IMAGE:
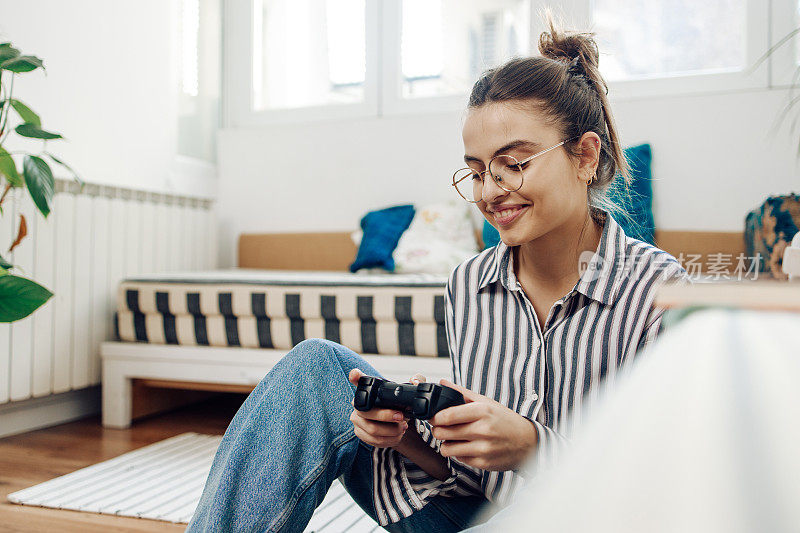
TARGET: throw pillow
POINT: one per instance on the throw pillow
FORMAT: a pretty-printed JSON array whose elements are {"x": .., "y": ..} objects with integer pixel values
[
  {"x": 381, "y": 232},
  {"x": 638, "y": 221},
  {"x": 490, "y": 235},
  {"x": 440, "y": 237}
]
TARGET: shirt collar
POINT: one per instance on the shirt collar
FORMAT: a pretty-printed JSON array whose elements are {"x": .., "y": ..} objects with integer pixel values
[{"x": 602, "y": 272}]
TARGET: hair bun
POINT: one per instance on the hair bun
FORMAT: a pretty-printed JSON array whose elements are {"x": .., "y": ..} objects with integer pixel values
[{"x": 578, "y": 49}]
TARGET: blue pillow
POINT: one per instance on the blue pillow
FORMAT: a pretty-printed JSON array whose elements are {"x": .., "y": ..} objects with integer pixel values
[
  {"x": 382, "y": 230},
  {"x": 638, "y": 204},
  {"x": 490, "y": 235}
]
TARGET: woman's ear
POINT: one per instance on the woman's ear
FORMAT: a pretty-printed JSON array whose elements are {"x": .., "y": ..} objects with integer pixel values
[{"x": 589, "y": 147}]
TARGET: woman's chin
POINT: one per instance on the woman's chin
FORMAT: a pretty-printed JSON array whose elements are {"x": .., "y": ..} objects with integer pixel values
[{"x": 516, "y": 236}]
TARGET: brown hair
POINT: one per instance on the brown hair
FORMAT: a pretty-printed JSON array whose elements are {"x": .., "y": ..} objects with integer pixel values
[{"x": 566, "y": 85}]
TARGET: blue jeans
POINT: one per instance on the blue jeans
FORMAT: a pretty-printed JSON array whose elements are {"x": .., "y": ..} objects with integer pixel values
[{"x": 290, "y": 440}]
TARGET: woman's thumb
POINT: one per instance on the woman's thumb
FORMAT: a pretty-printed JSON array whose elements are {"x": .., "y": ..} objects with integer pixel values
[
  {"x": 469, "y": 396},
  {"x": 354, "y": 375}
]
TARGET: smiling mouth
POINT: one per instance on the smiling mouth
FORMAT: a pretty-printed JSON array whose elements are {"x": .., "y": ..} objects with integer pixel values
[{"x": 507, "y": 215}]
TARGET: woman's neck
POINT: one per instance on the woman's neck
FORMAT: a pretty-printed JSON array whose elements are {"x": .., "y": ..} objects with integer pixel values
[{"x": 552, "y": 259}]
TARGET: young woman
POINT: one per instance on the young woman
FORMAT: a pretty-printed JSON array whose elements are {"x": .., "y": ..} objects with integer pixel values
[{"x": 532, "y": 332}]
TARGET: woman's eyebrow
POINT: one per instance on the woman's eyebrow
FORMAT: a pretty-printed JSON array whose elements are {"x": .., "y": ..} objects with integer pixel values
[{"x": 532, "y": 145}]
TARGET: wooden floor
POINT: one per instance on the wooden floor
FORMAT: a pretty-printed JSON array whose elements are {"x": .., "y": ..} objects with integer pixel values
[{"x": 37, "y": 456}]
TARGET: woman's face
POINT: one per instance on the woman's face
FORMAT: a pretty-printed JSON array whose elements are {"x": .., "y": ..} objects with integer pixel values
[{"x": 553, "y": 190}]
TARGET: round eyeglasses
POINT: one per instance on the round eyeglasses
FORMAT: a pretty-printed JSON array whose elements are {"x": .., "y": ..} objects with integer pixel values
[{"x": 505, "y": 170}]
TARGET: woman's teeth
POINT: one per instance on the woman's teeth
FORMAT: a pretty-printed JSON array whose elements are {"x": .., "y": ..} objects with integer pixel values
[
  {"x": 506, "y": 216},
  {"x": 505, "y": 212}
]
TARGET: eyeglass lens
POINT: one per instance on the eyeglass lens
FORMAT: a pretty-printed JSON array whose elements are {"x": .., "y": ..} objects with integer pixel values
[{"x": 505, "y": 170}]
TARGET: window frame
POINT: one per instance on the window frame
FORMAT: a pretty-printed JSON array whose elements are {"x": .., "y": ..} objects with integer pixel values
[
  {"x": 785, "y": 60},
  {"x": 383, "y": 80}
]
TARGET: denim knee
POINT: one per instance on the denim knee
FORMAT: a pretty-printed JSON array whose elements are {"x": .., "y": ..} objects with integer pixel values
[{"x": 310, "y": 352}]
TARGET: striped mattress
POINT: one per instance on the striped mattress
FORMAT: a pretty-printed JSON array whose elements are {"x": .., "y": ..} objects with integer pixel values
[{"x": 393, "y": 314}]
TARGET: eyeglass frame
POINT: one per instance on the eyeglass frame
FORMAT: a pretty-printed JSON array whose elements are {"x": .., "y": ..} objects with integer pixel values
[{"x": 519, "y": 164}]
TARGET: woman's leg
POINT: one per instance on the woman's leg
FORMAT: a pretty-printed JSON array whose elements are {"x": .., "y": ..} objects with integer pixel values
[
  {"x": 290, "y": 439},
  {"x": 445, "y": 515}
]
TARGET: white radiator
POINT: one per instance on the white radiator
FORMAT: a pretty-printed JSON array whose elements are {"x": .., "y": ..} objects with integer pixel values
[{"x": 92, "y": 239}]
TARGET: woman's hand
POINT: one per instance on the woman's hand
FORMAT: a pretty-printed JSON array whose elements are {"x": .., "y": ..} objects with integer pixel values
[
  {"x": 381, "y": 428},
  {"x": 483, "y": 433}
]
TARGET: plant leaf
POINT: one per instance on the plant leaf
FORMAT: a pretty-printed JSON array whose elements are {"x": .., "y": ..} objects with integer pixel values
[
  {"x": 7, "y": 52},
  {"x": 69, "y": 168},
  {"x": 21, "y": 233},
  {"x": 22, "y": 64},
  {"x": 8, "y": 168},
  {"x": 40, "y": 182},
  {"x": 5, "y": 264},
  {"x": 25, "y": 113},
  {"x": 19, "y": 297},
  {"x": 35, "y": 132}
]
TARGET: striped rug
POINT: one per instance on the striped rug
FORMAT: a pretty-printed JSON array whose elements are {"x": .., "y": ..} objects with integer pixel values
[{"x": 164, "y": 481}]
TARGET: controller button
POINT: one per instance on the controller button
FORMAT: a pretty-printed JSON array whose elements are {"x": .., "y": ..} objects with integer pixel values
[
  {"x": 361, "y": 398},
  {"x": 425, "y": 387},
  {"x": 420, "y": 406}
]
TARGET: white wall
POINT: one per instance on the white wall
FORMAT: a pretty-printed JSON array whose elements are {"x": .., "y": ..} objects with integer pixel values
[
  {"x": 109, "y": 89},
  {"x": 713, "y": 160}
]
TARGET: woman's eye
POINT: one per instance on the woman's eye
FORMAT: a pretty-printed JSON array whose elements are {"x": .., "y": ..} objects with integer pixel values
[{"x": 477, "y": 176}]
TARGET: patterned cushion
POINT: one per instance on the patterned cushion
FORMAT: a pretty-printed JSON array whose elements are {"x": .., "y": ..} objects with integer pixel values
[
  {"x": 394, "y": 314},
  {"x": 769, "y": 229}
]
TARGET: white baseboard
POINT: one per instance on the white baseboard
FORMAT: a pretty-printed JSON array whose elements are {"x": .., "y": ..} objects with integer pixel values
[{"x": 37, "y": 413}]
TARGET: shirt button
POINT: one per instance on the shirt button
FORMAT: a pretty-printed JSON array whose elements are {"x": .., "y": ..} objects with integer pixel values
[{"x": 535, "y": 396}]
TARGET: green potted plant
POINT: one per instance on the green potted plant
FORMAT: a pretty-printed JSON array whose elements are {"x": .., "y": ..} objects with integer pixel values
[{"x": 19, "y": 295}]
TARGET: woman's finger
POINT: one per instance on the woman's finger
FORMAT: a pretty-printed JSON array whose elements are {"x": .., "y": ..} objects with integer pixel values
[
  {"x": 393, "y": 438},
  {"x": 459, "y": 414},
  {"x": 469, "y": 396},
  {"x": 380, "y": 429},
  {"x": 382, "y": 415},
  {"x": 416, "y": 379},
  {"x": 354, "y": 376},
  {"x": 378, "y": 442},
  {"x": 460, "y": 449},
  {"x": 456, "y": 432}
]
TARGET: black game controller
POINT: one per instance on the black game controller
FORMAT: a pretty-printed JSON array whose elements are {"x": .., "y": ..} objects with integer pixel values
[{"x": 417, "y": 401}]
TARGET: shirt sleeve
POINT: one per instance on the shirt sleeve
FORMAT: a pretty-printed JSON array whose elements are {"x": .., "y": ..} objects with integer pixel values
[
  {"x": 424, "y": 486},
  {"x": 463, "y": 479},
  {"x": 653, "y": 324}
]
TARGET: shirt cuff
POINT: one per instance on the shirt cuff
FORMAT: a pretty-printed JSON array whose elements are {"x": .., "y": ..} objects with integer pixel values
[
  {"x": 421, "y": 485},
  {"x": 549, "y": 447}
]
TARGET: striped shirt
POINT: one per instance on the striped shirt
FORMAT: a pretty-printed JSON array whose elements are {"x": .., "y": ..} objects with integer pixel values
[{"x": 549, "y": 375}]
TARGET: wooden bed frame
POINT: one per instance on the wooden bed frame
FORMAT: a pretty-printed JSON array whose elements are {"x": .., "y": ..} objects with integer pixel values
[{"x": 141, "y": 379}]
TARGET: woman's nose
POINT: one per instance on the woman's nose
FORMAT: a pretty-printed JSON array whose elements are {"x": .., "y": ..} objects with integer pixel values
[{"x": 491, "y": 190}]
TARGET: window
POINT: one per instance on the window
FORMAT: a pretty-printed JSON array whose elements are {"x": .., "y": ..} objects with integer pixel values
[
  {"x": 294, "y": 60},
  {"x": 645, "y": 39},
  {"x": 473, "y": 36},
  {"x": 290, "y": 60},
  {"x": 308, "y": 53},
  {"x": 652, "y": 48}
]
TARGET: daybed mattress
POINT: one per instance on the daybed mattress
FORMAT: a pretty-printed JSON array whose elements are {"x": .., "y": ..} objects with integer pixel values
[{"x": 369, "y": 313}]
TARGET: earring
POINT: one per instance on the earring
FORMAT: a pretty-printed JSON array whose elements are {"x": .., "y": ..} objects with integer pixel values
[{"x": 591, "y": 180}]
